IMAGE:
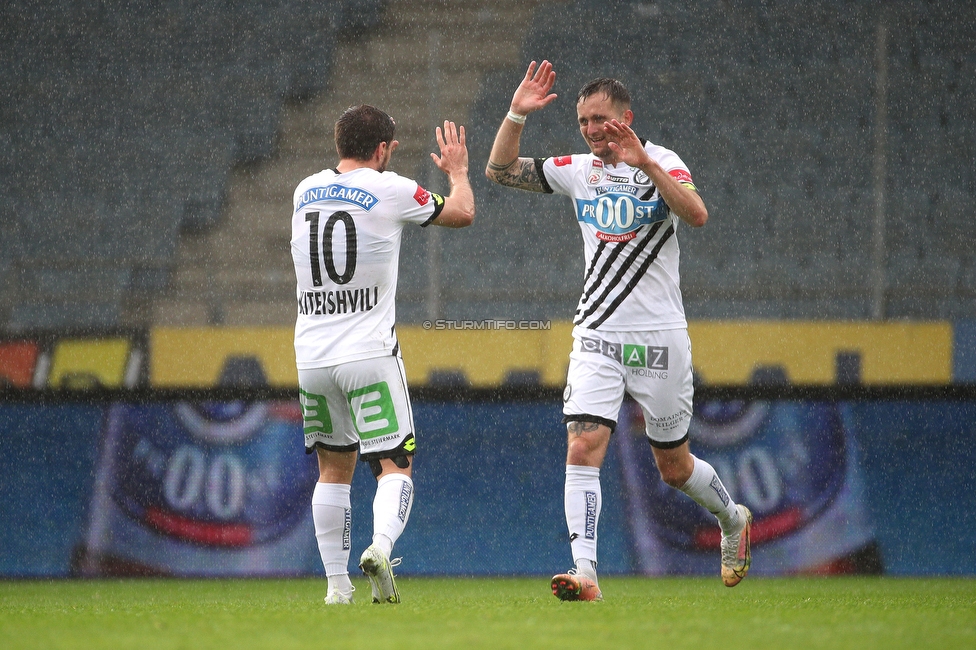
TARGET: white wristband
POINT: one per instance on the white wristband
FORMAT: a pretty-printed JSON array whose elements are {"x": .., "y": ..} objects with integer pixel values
[{"x": 515, "y": 117}]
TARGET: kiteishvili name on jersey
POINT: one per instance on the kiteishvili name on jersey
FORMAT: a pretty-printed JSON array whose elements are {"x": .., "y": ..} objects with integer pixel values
[{"x": 345, "y": 301}]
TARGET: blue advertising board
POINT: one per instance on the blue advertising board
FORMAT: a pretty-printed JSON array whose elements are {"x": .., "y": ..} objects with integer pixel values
[{"x": 205, "y": 488}]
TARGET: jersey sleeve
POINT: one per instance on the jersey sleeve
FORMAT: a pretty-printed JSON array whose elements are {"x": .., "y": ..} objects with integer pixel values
[
  {"x": 683, "y": 176},
  {"x": 556, "y": 173},
  {"x": 417, "y": 205},
  {"x": 674, "y": 166}
]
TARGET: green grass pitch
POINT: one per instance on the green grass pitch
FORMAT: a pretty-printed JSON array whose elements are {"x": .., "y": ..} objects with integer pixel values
[{"x": 671, "y": 613}]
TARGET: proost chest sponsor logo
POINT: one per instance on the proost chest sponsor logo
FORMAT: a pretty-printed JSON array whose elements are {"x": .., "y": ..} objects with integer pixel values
[{"x": 617, "y": 214}]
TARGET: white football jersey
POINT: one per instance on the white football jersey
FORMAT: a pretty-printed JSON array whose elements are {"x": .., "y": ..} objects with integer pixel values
[
  {"x": 631, "y": 278},
  {"x": 346, "y": 232}
]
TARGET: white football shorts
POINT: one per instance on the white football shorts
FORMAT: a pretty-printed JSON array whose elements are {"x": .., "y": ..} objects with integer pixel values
[
  {"x": 360, "y": 405},
  {"x": 653, "y": 367}
]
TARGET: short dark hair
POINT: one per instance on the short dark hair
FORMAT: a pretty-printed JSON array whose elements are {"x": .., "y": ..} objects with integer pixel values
[
  {"x": 612, "y": 88},
  {"x": 360, "y": 129}
]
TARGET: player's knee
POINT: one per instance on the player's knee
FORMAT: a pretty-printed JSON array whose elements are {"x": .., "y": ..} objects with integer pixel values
[
  {"x": 576, "y": 447},
  {"x": 583, "y": 450}
]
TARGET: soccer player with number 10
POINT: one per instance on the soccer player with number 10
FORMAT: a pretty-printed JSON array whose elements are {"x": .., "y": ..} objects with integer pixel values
[{"x": 346, "y": 230}]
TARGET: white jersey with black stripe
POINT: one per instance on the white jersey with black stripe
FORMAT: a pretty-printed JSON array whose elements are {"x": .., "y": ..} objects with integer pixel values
[
  {"x": 631, "y": 280},
  {"x": 346, "y": 233}
]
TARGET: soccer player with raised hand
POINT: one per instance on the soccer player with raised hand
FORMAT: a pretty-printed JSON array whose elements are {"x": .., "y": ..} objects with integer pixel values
[
  {"x": 630, "y": 332},
  {"x": 347, "y": 226}
]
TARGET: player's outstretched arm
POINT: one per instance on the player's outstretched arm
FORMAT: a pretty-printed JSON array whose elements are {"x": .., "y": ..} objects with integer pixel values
[
  {"x": 505, "y": 167},
  {"x": 520, "y": 174},
  {"x": 458, "y": 210}
]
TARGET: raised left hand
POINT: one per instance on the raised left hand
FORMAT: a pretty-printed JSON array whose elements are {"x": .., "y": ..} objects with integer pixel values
[{"x": 624, "y": 142}]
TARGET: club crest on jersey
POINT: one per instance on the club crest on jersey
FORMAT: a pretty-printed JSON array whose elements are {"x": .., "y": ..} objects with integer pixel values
[
  {"x": 596, "y": 173},
  {"x": 641, "y": 178}
]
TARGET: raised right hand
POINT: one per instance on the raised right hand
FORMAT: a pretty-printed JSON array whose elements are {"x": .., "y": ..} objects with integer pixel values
[
  {"x": 533, "y": 93},
  {"x": 454, "y": 151}
]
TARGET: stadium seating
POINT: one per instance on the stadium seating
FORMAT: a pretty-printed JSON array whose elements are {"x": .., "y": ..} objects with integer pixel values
[
  {"x": 124, "y": 122},
  {"x": 772, "y": 106},
  {"x": 123, "y": 125}
]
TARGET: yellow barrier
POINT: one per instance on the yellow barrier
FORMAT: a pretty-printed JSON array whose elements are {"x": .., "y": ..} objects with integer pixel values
[
  {"x": 87, "y": 363},
  {"x": 195, "y": 356},
  {"x": 724, "y": 352},
  {"x": 487, "y": 356}
]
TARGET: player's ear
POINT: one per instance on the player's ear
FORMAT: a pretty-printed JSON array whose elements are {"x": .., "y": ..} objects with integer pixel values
[{"x": 628, "y": 117}]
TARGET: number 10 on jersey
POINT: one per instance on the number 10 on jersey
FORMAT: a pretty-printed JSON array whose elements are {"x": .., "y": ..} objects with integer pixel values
[{"x": 324, "y": 253}]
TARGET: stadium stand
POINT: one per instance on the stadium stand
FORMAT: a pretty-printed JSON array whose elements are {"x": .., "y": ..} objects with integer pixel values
[
  {"x": 420, "y": 75},
  {"x": 121, "y": 138},
  {"x": 124, "y": 122},
  {"x": 772, "y": 106}
]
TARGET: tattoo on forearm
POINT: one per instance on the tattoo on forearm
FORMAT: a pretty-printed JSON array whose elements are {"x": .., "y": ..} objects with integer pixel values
[
  {"x": 578, "y": 428},
  {"x": 520, "y": 174},
  {"x": 495, "y": 167}
]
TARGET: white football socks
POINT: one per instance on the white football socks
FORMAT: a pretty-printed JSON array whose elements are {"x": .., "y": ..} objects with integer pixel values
[
  {"x": 332, "y": 517},
  {"x": 391, "y": 510},
  {"x": 706, "y": 488},
  {"x": 582, "y": 500}
]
